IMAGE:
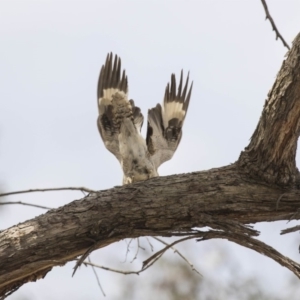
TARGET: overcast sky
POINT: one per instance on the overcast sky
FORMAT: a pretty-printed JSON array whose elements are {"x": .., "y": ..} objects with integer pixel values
[{"x": 50, "y": 56}]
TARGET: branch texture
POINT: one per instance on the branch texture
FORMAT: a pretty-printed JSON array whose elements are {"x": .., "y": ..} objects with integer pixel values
[
  {"x": 271, "y": 154},
  {"x": 165, "y": 206},
  {"x": 261, "y": 186}
]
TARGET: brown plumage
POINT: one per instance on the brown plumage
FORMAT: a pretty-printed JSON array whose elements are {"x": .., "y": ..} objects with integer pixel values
[{"x": 120, "y": 122}]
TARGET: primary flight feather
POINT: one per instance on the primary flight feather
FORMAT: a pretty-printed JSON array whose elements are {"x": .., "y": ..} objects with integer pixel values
[{"x": 120, "y": 121}]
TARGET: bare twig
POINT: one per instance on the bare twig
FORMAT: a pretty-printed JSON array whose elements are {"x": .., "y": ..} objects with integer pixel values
[
  {"x": 294, "y": 215},
  {"x": 95, "y": 245},
  {"x": 112, "y": 270},
  {"x": 98, "y": 281},
  {"x": 24, "y": 203},
  {"x": 268, "y": 16},
  {"x": 83, "y": 189},
  {"x": 144, "y": 249},
  {"x": 84, "y": 256},
  {"x": 256, "y": 245},
  {"x": 240, "y": 238},
  {"x": 117, "y": 270},
  {"x": 229, "y": 225},
  {"x": 127, "y": 249},
  {"x": 146, "y": 264},
  {"x": 180, "y": 254},
  {"x": 153, "y": 258},
  {"x": 151, "y": 246},
  {"x": 137, "y": 250},
  {"x": 291, "y": 229}
]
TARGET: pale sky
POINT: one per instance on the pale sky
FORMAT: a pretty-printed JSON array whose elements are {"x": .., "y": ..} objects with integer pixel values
[{"x": 50, "y": 56}]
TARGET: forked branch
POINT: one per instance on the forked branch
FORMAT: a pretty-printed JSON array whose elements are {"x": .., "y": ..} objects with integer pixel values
[
  {"x": 271, "y": 153},
  {"x": 224, "y": 199}
]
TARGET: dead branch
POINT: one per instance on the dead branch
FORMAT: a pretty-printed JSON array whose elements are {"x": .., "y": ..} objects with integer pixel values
[
  {"x": 112, "y": 269},
  {"x": 151, "y": 246},
  {"x": 274, "y": 27},
  {"x": 146, "y": 264},
  {"x": 164, "y": 206},
  {"x": 257, "y": 246},
  {"x": 97, "y": 278},
  {"x": 137, "y": 250},
  {"x": 291, "y": 229},
  {"x": 153, "y": 258},
  {"x": 179, "y": 253},
  {"x": 24, "y": 203},
  {"x": 224, "y": 199},
  {"x": 82, "y": 189},
  {"x": 243, "y": 240},
  {"x": 117, "y": 270},
  {"x": 127, "y": 249}
]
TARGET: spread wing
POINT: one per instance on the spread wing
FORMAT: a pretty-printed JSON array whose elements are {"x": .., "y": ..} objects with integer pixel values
[
  {"x": 165, "y": 123},
  {"x": 113, "y": 104}
]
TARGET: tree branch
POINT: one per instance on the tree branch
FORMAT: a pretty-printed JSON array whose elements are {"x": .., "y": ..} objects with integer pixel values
[
  {"x": 164, "y": 206},
  {"x": 291, "y": 229},
  {"x": 96, "y": 275},
  {"x": 224, "y": 199},
  {"x": 268, "y": 16},
  {"x": 82, "y": 189},
  {"x": 24, "y": 203},
  {"x": 153, "y": 258},
  {"x": 180, "y": 254},
  {"x": 257, "y": 246},
  {"x": 272, "y": 149}
]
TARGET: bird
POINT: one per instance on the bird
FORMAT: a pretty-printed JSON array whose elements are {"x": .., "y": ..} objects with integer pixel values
[{"x": 120, "y": 122}]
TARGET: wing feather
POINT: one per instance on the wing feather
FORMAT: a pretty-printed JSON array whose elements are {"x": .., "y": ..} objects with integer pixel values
[
  {"x": 165, "y": 123},
  {"x": 113, "y": 104},
  {"x": 138, "y": 117}
]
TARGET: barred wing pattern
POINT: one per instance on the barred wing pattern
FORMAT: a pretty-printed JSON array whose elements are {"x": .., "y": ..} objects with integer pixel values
[
  {"x": 120, "y": 121},
  {"x": 165, "y": 123},
  {"x": 111, "y": 86}
]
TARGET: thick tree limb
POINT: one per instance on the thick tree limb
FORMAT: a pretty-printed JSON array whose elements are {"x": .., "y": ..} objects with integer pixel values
[
  {"x": 165, "y": 206},
  {"x": 272, "y": 149},
  {"x": 224, "y": 199}
]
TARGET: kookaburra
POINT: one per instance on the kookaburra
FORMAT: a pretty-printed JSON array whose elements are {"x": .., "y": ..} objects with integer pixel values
[{"x": 120, "y": 123}]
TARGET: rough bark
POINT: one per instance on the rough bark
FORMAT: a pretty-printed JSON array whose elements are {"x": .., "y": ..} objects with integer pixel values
[
  {"x": 271, "y": 153},
  {"x": 163, "y": 206},
  {"x": 261, "y": 186}
]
